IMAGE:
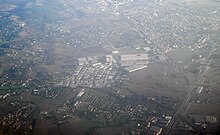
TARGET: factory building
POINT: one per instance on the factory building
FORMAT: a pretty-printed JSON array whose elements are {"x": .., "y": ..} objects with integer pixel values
[{"x": 133, "y": 59}]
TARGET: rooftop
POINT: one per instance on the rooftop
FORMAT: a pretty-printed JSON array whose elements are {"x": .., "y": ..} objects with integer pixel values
[{"x": 134, "y": 57}]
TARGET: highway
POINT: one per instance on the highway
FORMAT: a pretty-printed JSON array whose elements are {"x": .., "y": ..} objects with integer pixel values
[{"x": 185, "y": 102}]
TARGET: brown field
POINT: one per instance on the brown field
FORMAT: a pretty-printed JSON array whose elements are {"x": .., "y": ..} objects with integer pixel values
[
  {"x": 5, "y": 109},
  {"x": 24, "y": 34},
  {"x": 151, "y": 81},
  {"x": 62, "y": 52},
  {"x": 59, "y": 57},
  {"x": 92, "y": 51},
  {"x": 46, "y": 127},
  {"x": 73, "y": 127},
  {"x": 215, "y": 89},
  {"x": 181, "y": 132},
  {"x": 77, "y": 22},
  {"x": 43, "y": 104},
  {"x": 111, "y": 131},
  {"x": 46, "y": 104}
]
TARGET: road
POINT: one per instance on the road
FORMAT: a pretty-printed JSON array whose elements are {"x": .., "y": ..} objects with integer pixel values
[{"x": 185, "y": 102}]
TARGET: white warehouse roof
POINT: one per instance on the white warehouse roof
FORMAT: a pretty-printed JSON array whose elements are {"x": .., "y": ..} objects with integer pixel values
[{"x": 134, "y": 57}]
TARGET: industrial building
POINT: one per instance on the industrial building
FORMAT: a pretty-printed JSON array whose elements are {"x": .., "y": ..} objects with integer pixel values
[{"x": 134, "y": 59}]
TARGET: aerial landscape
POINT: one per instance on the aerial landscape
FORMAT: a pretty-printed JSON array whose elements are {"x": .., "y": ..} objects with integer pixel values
[{"x": 109, "y": 67}]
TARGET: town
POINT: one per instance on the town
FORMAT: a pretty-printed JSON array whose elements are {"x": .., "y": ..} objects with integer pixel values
[{"x": 129, "y": 67}]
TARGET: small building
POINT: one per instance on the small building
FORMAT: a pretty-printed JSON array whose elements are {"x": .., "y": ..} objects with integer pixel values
[
  {"x": 80, "y": 93},
  {"x": 83, "y": 61},
  {"x": 115, "y": 52},
  {"x": 199, "y": 89},
  {"x": 147, "y": 49},
  {"x": 87, "y": 60}
]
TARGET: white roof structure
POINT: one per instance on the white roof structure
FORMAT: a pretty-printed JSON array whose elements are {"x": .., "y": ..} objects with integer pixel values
[
  {"x": 133, "y": 57},
  {"x": 115, "y": 52}
]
